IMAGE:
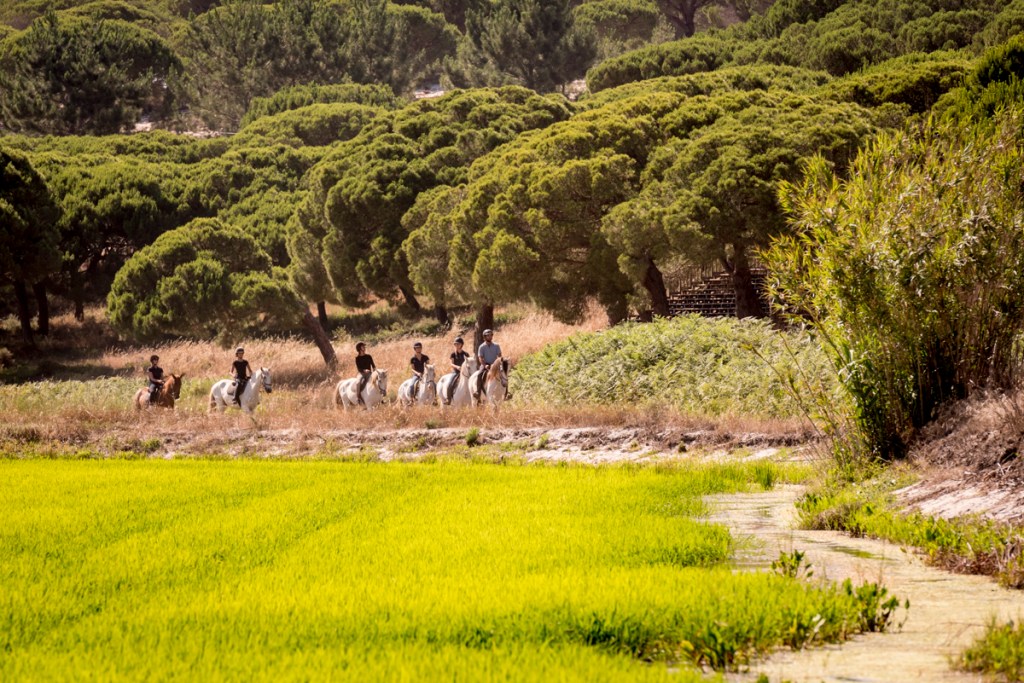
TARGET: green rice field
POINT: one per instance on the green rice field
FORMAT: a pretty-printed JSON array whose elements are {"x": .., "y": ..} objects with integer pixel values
[{"x": 449, "y": 570}]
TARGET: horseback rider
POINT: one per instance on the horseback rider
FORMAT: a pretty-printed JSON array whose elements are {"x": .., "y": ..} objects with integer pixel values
[
  {"x": 418, "y": 362},
  {"x": 241, "y": 372},
  {"x": 458, "y": 358},
  {"x": 486, "y": 354},
  {"x": 365, "y": 366},
  {"x": 155, "y": 375}
]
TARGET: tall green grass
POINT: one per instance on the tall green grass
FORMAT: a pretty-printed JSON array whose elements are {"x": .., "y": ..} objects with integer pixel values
[
  {"x": 709, "y": 366},
  {"x": 911, "y": 269},
  {"x": 212, "y": 570}
]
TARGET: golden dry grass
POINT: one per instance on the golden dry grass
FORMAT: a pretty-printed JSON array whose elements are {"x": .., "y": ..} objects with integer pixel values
[
  {"x": 89, "y": 411},
  {"x": 296, "y": 361}
]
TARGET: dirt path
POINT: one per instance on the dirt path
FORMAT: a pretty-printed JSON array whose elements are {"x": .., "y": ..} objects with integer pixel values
[{"x": 947, "y": 611}]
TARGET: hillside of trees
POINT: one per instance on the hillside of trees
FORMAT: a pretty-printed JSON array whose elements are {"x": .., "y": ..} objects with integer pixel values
[{"x": 326, "y": 181}]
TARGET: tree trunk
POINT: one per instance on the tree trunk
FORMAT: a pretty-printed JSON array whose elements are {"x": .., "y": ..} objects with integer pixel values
[
  {"x": 78, "y": 296},
  {"x": 320, "y": 338},
  {"x": 441, "y": 313},
  {"x": 748, "y": 304},
  {"x": 410, "y": 297},
  {"x": 484, "y": 321},
  {"x": 24, "y": 314},
  {"x": 43, "y": 306},
  {"x": 654, "y": 283},
  {"x": 645, "y": 316},
  {"x": 616, "y": 310},
  {"x": 321, "y": 314},
  {"x": 680, "y": 14}
]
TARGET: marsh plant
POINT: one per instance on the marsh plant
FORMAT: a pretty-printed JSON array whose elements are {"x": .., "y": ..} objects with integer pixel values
[{"x": 911, "y": 271}]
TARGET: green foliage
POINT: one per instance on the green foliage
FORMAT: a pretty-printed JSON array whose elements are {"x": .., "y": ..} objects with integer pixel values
[
  {"x": 792, "y": 565},
  {"x": 996, "y": 83},
  {"x": 619, "y": 25},
  {"x": 967, "y": 544},
  {"x": 299, "y": 96},
  {"x": 999, "y": 652},
  {"x": 203, "y": 279},
  {"x": 29, "y": 247},
  {"x": 537, "y": 573},
  {"x": 915, "y": 81},
  {"x": 245, "y": 50},
  {"x": 911, "y": 270},
  {"x": 695, "y": 365},
  {"x": 352, "y": 218},
  {"x": 831, "y": 35},
  {"x": 79, "y": 76},
  {"x": 532, "y": 43}
]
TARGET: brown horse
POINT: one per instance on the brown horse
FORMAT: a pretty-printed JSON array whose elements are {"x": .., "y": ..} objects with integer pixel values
[{"x": 165, "y": 398}]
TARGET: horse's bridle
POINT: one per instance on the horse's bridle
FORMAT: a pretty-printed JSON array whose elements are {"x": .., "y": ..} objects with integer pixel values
[{"x": 266, "y": 380}]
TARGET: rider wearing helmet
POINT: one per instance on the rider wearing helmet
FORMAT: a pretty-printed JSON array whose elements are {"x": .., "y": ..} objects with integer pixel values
[
  {"x": 365, "y": 366},
  {"x": 486, "y": 354},
  {"x": 241, "y": 371},
  {"x": 155, "y": 375},
  {"x": 458, "y": 357}
]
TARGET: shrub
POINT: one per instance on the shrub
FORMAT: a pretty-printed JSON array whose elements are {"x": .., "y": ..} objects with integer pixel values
[
  {"x": 710, "y": 366},
  {"x": 912, "y": 270}
]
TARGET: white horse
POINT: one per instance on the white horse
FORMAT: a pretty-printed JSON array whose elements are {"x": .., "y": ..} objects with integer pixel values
[
  {"x": 495, "y": 384},
  {"x": 222, "y": 394},
  {"x": 463, "y": 395},
  {"x": 425, "y": 389},
  {"x": 373, "y": 393}
]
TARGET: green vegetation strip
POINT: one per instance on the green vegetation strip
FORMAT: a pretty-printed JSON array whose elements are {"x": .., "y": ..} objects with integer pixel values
[
  {"x": 1000, "y": 651},
  {"x": 704, "y": 366},
  {"x": 226, "y": 570},
  {"x": 968, "y": 545}
]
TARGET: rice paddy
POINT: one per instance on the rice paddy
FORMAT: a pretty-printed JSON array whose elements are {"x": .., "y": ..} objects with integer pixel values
[{"x": 226, "y": 570}]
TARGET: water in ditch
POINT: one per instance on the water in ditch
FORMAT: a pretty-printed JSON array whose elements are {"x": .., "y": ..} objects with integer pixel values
[{"x": 947, "y": 611}]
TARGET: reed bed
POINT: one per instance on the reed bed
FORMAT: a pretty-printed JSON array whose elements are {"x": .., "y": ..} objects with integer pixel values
[{"x": 227, "y": 570}]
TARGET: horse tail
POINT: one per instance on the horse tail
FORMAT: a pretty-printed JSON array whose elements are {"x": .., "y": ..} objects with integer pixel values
[
  {"x": 213, "y": 399},
  {"x": 337, "y": 396}
]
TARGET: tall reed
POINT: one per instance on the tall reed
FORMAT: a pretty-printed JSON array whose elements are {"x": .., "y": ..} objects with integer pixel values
[{"x": 911, "y": 270}]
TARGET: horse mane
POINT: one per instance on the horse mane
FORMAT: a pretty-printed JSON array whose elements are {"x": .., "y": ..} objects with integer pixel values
[{"x": 494, "y": 372}]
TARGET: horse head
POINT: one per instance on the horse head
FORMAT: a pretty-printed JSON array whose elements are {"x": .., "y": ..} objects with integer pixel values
[
  {"x": 469, "y": 366},
  {"x": 380, "y": 380},
  {"x": 428, "y": 373},
  {"x": 173, "y": 386},
  {"x": 265, "y": 378},
  {"x": 497, "y": 369}
]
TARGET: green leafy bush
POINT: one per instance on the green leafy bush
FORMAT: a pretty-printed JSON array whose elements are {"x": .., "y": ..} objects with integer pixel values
[
  {"x": 912, "y": 270},
  {"x": 710, "y": 366}
]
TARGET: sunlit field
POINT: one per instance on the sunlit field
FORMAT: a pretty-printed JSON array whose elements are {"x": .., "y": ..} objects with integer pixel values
[{"x": 218, "y": 570}]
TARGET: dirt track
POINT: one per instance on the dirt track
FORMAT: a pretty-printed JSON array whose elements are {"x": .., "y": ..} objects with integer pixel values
[{"x": 947, "y": 611}]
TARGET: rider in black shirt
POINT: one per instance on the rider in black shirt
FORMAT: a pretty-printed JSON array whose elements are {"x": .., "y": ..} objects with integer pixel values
[
  {"x": 241, "y": 371},
  {"x": 364, "y": 365},
  {"x": 155, "y": 375},
  {"x": 458, "y": 358},
  {"x": 418, "y": 362}
]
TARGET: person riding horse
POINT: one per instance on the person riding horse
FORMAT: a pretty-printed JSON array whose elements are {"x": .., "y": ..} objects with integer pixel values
[
  {"x": 486, "y": 354},
  {"x": 365, "y": 366},
  {"x": 458, "y": 358},
  {"x": 155, "y": 375},
  {"x": 241, "y": 371},
  {"x": 418, "y": 363}
]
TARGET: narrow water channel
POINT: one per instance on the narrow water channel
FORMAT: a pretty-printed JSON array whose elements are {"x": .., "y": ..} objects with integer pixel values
[{"x": 947, "y": 611}]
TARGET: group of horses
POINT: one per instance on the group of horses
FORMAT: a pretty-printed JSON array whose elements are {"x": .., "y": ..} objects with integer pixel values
[{"x": 492, "y": 383}]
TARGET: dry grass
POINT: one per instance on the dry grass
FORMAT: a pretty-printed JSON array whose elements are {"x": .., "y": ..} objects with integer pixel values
[
  {"x": 96, "y": 412},
  {"x": 296, "y": 362}
]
